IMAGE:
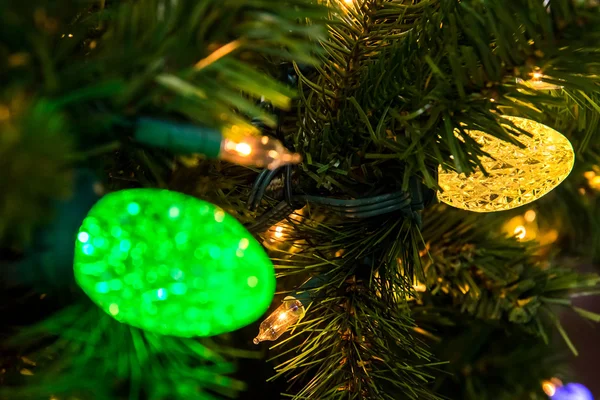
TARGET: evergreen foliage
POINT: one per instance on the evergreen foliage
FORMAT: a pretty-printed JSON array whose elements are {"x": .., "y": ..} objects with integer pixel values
[{"x": 375, "y": 95}]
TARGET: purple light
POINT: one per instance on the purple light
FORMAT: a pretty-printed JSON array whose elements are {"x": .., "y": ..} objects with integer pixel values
[{"x": 572, "y": 391}]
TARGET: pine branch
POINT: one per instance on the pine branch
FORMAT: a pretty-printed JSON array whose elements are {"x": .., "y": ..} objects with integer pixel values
[
  {"x": 452, "y": 72},
  {"x": 487, "y": 359},
  {"x": 85, "y": 73},
  {"x": 493, "y": 277},
  {"x": 351, "y": 344},
  {"x": 81, "y": 350},
  {"x": 355, "y": 341}
]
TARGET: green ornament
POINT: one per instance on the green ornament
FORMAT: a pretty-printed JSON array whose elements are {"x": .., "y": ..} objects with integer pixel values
[{"x": 172, "y": 264}]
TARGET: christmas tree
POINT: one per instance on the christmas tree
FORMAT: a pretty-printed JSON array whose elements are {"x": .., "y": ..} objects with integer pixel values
[{"x": 305, "y": 199}]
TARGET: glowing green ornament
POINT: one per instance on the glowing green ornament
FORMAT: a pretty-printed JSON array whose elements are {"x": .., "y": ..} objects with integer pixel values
[{"x": 172, "y": 264}]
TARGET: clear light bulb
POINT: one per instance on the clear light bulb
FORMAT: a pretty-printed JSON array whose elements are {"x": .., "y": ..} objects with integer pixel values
[
  {"x": 286, "y": 315},
  {"x": 536, "y": 82},
  {"x": 260, "y": 151}
]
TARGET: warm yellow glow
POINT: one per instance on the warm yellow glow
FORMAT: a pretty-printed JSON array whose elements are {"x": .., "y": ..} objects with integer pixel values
[
  {"x": 4, "y": 112},
  {"x": 278, "y": 232},
  {"x": 520, "y": 232},
  {"x": 549, "y": 388},
  {"x": 517, "y": 176},
  {"x": 595, "y": 183},
  {"x": 537, "y": 82},
  {"x": 530, "y": 216},
  {"x": 589, "y": 175},
  {"x": 243, "y": 149},
  {"x": 217, "y": 54},
  {"x": 348, "y": 2},
  {"x": 286, "y": 315},
  {"x": 420, "y": 287},
  {"x": 550, "y": 237}
]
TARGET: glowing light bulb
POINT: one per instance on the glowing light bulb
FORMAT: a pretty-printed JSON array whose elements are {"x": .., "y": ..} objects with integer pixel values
[
  {"x": 530, "y": 216},
  {"x": 549, "y": 388},
  {"x": 243, "y": 149},
  {"x": 278, "y": 232},
  {"x": 515, "y": 176},
  {"x": 572, "y": 391},
  {"x": 595, "y": 183},
  {"x": 520, "y": 232},
  {"x": 536, "y": 82},
  {"x": 286, "y": 315},
  {"x": 261, "y": 151}
]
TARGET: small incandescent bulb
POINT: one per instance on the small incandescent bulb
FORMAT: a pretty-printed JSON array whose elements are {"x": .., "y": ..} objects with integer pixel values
[
  {"x": 261, "y": 151},
  {"x": 549, "y": 387},
  {"x": 286, "y": 315},
  {"x": 235, "y": 144},
  {"x": 537, "y": 82}
]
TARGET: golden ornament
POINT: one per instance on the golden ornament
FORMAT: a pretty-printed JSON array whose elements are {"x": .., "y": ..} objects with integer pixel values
[{"x": 517, "y": 176}]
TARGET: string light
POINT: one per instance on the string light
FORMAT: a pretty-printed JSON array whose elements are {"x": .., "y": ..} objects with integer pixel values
[
  {"x": 261, "y": 151},
  {"x": 537, "y": 81},
  {"x": 520, "y": 232},
  {"x": 555, "y": 389},
  {"x": 572, "y": 391},
  {"x": 593, "y": 178},
  {"x": 515, "y": 176},
  {"x": 140, "y": 257},
  {"x": 279, "y": 232},
  {"x": 287, "y": 314},
  {"x": 236, "y": 144},
  {"x": 529, "y": 216},
  {"x": 549, "y": 388}
]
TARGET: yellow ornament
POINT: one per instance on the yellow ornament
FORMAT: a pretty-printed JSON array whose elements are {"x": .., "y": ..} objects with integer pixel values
[{"x": 517, "y": 176}]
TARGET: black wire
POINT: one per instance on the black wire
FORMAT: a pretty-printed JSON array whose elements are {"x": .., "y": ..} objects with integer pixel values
[
  {"x": 288, "y": 184},
  {"x": 328, "y": 201},
  {"x": 281, "y": 211},
  {"x": 262, "y": 187},
  {"x": 375, "y": 213},
  {"x": 404, "y": 201},
  {"x": 259, "y": 178}
]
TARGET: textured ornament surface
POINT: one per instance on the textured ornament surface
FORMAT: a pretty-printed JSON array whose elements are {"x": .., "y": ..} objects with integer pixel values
[
  {"x": 517, "y": 176},
  {"x": 572, "y": 391},
  {"x": 172, "y": 264}
]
